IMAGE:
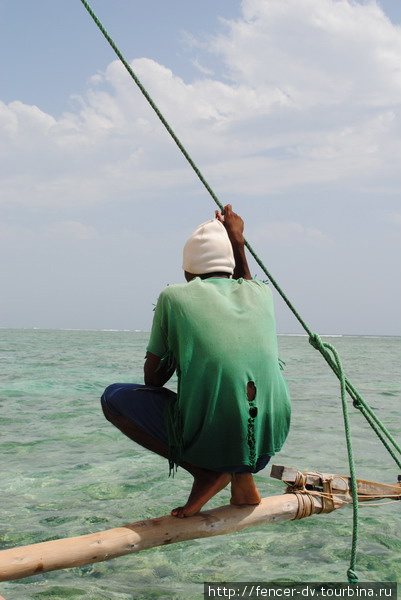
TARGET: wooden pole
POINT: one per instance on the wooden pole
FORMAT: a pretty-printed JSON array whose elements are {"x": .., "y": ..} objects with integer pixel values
[{"x": 65, "y": 553}]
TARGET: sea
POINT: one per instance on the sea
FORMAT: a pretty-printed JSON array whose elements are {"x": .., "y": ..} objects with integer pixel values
[{"x": 66, "y": 471}]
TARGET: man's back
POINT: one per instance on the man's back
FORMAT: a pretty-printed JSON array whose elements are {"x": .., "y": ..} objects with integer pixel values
[{"x": 221, "y": 334}]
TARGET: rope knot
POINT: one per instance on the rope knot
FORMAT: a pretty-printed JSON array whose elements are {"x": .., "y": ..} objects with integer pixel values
[
  {"x": 316, "y": 342},
  {"x": 352, "y": 576}
]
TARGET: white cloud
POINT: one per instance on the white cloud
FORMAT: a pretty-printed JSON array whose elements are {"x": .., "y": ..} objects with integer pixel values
[
  {"x": 23, "y": 123},
  {"x": 322, "y": 52},
  {"x": 312, "y": 96},
  {"x": 294, "y": 112},
  {"x": 202, "y": 68}
]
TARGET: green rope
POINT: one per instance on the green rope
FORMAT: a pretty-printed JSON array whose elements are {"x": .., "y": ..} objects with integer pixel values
[
  {"x": 358, "y": 402},
  {"x": 326, "y": 350}
]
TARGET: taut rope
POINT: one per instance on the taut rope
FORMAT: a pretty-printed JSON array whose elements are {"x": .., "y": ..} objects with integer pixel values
[{"x": 328, "y": 352}]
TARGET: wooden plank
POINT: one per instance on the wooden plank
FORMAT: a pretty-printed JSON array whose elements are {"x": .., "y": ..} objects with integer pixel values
[
  {"x": 26, "y": 561},
  {"x": 341, "y": 483}
]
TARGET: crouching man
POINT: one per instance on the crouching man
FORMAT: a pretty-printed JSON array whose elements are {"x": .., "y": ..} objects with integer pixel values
[{"x": 231, "y": 412}]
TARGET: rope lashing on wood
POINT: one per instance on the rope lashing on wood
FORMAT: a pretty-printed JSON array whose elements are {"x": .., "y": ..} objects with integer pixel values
[
  {"x": 330, "y": 499},
  {"x": 328, "y": 352},
  {"x": 331, "y": 493},
  {"x": 306, "y": 505}
]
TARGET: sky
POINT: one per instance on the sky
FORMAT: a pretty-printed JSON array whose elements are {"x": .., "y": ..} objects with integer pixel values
[{"x": 291, "y": 110}]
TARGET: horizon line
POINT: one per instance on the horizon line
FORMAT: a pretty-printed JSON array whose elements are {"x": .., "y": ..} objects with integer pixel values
[{"x": 111, "y": 330}]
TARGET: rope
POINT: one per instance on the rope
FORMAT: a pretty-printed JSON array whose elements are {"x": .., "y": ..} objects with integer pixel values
[
  {"x": 306, "y": 505},
  {"x": 299, "y": 487},
  {"x": 324, "y": 349},
  {"x": 314, "y": 339},
  {"x": 351, "y": 574},
  {"x": 358, "y": 402}
]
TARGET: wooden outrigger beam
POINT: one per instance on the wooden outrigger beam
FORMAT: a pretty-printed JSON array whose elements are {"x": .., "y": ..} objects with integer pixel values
[
  {"x": 30, "y": 560},
  {"x": 26, "y": 561}
]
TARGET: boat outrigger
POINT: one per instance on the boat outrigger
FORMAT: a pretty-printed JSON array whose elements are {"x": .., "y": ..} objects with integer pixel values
[{"x": 307, "y": 493}]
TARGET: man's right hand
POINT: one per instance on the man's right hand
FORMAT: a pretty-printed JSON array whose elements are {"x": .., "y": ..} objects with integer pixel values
[
  {"x": 235, "y": 229},
  {"x": 233, "y": 223}
]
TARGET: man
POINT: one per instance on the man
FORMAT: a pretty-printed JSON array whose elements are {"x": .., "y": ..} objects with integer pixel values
[{"x": 231, "y": 412}]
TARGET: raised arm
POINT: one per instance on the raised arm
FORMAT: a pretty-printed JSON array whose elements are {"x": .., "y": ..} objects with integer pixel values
[{"x": 235, "y": 228}]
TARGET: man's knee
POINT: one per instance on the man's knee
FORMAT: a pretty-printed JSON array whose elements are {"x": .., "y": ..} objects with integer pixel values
[{"x": 104, "y": 399}]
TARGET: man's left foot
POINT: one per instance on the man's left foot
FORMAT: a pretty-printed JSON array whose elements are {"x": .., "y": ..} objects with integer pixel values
[
  {"x": 206, "y": 485},
  {"x": 244, "y": 490}
]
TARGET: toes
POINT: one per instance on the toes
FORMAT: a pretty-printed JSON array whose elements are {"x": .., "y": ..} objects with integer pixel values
[{"x": 178, "y": 512}]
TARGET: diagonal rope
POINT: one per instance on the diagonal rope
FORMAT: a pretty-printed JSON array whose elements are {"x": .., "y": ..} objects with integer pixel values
[
  {"x": 358, "y": 401},
  {"x": 327, "y": 351}
]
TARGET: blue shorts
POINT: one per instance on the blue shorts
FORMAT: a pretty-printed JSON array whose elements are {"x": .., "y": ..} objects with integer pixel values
[{"x": 145, "y": 405}]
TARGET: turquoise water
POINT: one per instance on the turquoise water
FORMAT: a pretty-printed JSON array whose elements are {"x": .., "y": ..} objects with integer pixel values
[{"x": 66, "y": 471}]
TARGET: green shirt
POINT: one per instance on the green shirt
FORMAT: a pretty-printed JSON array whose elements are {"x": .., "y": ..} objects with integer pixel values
[{"x": 221, "y": 334}]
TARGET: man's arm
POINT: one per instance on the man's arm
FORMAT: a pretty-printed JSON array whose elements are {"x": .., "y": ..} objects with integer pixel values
[
  {"x": 235, "y": 228},
  {"x": 154, "y": 374}
]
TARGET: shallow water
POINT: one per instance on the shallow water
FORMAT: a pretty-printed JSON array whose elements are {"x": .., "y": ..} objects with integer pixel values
[{"x": 66, "y": 471}]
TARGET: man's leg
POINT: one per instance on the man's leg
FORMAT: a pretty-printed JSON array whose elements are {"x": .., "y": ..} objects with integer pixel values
[
  {"x": 243, "y": 489},
  {"x": 135, "y": 433},
  {"x": 206, "y": 483}
]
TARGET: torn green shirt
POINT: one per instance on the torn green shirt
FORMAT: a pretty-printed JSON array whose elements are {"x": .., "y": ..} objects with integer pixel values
[{"x": 221, "y": 334}]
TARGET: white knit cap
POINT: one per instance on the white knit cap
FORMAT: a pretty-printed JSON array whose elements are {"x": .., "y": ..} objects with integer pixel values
[{"x": 208, "y": 250}]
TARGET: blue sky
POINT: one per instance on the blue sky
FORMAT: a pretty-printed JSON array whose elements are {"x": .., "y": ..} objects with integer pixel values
[{"x": 289, "y": 107}]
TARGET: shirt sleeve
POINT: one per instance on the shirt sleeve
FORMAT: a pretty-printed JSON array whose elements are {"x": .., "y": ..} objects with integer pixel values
[{"x": 158, "y": 336}]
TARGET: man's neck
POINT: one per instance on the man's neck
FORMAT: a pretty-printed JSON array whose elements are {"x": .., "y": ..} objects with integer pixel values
[{"x": 218, "y": 274}]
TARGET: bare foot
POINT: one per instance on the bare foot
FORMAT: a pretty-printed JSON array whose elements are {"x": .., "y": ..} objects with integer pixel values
[
  {"x": 243, "y": 489},
  {"x": 206, "y": 485}
]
